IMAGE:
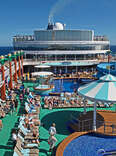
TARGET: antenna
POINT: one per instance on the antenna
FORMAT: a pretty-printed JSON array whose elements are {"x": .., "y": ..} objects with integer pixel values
[{"x": 49, "y": 19}]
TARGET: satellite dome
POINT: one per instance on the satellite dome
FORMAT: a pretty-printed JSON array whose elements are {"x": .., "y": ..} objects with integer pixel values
[{"x": 59, "y": 26}]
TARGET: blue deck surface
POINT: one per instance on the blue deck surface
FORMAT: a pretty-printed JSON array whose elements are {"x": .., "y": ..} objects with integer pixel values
[{"x": 90, "y": 145}]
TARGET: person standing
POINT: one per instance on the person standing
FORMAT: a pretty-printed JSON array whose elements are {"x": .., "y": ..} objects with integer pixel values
[
  {"x": 52, "y": 129},
  {"x": 12, "y": 106},
  {"x": 52, "y": 141},
  {"x": 16, "y": 104}
]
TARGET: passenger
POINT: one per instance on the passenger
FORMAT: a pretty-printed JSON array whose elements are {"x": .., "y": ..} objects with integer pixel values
[
  {"x": 52, "y": 129},
  {"x": 21, "y": 98},
  {"x": 37, "y": 103},
  {"x": 12, "y": 106},
  {"x": 2, "y": 113},
  {"x": 55, "y": 102},
  {"x": 72, "y": 102},
  {"x": 27, "y": 91},
  {"x": 14, "y": 138},
  {"x": 35, "y": 135},
  {"x": 16, "y": 104},
  {"x": 50, "y": 104},
  {"x": 76, "y": 102},
  {"x": 24, "y": 91},
  {"x": 51, "y": 141},
  {"x": 1, "y": 125},
  {"x": 21, "y": 87}
]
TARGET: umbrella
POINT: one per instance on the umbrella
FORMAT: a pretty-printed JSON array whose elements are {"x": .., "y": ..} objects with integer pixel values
[{"x": 102, "y": 90}]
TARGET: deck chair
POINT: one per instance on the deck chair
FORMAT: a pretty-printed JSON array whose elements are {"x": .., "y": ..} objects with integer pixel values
[
  {"x": 21, "y": 144},
  {"x": 1, "y": 125}
]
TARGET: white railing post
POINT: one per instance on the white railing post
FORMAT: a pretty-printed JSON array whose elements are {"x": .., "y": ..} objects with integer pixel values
[
  {"x": 84, "y": 101},
  {"x": 94, "y": 117}
]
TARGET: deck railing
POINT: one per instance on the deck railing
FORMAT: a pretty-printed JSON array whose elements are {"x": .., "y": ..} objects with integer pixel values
[{"x": 101, "y": 126}]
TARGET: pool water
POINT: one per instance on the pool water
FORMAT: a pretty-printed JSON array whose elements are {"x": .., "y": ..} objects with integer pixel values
[
  {"x": 61, "y": 85},
  {"x": 66, "y": 85},
  {"x": 90, "y": 145},
  {"x": 72, "y": 63}
]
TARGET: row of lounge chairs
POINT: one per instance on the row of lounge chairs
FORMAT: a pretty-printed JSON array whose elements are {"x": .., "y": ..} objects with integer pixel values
[
  {"x": 59, "y": 102},
  {"x": 27, "y": 142},
  {"x": 5, "y": 106}
]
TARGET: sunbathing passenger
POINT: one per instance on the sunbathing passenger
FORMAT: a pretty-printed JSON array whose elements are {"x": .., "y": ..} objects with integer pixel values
[
  {"x": 55, "y": 102},
  {"x": 14, "y": 138},
  {"x": 35, "y": 135},
  {"x": 72, "y": 102},
  {"x": 2, "y": 114},
  {"x": 1, "y": 125},
  {"x": 76, "y": 102},
  {"x": 50, "y": 104}
]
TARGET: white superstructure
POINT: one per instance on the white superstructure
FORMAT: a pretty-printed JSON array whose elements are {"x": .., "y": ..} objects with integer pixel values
[{"x": 58, "y": 43}]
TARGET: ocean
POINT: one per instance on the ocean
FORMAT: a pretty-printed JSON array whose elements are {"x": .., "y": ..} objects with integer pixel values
[{"x": 6, "y": 50}]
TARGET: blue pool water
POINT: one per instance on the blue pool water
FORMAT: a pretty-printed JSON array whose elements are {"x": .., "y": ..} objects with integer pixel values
[
  {"x": 63, "y": 85},
  {"x": 66, "y": 85},
  {"x": 68, "y": 63},
  {"x": 89, "y": 145}
]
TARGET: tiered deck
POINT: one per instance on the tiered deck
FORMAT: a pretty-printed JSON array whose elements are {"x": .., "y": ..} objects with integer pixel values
[{"x": 47, "y": 117}]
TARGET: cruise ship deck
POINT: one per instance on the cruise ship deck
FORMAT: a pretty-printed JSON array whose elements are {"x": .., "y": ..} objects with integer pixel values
[
  {"x": 47, "y": 117},
  {"x": 70, "y": 56}
]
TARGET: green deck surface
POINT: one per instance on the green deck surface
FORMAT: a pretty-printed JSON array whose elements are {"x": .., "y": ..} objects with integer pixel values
[
  {"x": 58, "y": 116},
  {"x": 9, "y": 122}
]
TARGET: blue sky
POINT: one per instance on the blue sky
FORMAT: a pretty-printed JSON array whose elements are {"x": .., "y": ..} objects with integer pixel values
[{"x": 24, "y": 16}]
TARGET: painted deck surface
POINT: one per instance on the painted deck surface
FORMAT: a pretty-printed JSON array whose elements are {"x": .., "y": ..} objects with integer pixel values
[{"x": 107, "y": 116}]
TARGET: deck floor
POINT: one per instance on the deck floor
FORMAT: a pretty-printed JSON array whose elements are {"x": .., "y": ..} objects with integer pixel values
[
  {"x": 59, "y": 116},
  {"x": 9, "y": 122},
  {"x": 103, "y": 117}
]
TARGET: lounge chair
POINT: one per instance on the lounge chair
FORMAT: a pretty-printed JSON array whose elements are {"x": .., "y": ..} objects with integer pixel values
[{"x": 1, "y": 125}]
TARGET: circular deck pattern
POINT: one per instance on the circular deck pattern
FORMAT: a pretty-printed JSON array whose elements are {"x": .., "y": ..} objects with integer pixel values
[
  {"x": 71, "y": 145},
  {"x": 90, "y": 144}
]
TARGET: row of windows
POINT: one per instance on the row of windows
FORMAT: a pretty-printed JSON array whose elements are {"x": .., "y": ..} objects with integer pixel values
[
  {"x": 61, "y": 57},
  {"x": 65, "y": 47},
  {"x": 64, "y": 35}
]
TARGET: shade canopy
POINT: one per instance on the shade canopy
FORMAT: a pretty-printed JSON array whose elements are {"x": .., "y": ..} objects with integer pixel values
[
  {"x": 42, "y": 66},
  {"x": 101, "y": 90},
  {"x": 42, "y": 74},
  {"x": 108, "y": 77}
]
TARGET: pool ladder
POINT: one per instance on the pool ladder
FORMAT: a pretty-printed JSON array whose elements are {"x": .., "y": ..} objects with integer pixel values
[{"x": 104, "y": 153}]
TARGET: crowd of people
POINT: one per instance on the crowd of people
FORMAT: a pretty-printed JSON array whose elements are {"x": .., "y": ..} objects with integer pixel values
[
  {"x": 25, "y": 137},
  {"x": 78, "y": 74},
  {"x": 28, "y": 133},
  {"x": 64, "y": 100},
  {"x": 10, "y": 105}
]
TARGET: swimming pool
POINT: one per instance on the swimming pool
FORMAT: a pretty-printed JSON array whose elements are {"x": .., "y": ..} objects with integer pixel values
[
  {"x": 65, "y": 85},
  {"x": 90, "y": 145},
  {"x": 62, "y": 85},
  {"x": 72, "y": 63}
]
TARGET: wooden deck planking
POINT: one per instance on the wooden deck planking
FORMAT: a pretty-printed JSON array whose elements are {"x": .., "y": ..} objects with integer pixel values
[{"x": 108, "y": 116}]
